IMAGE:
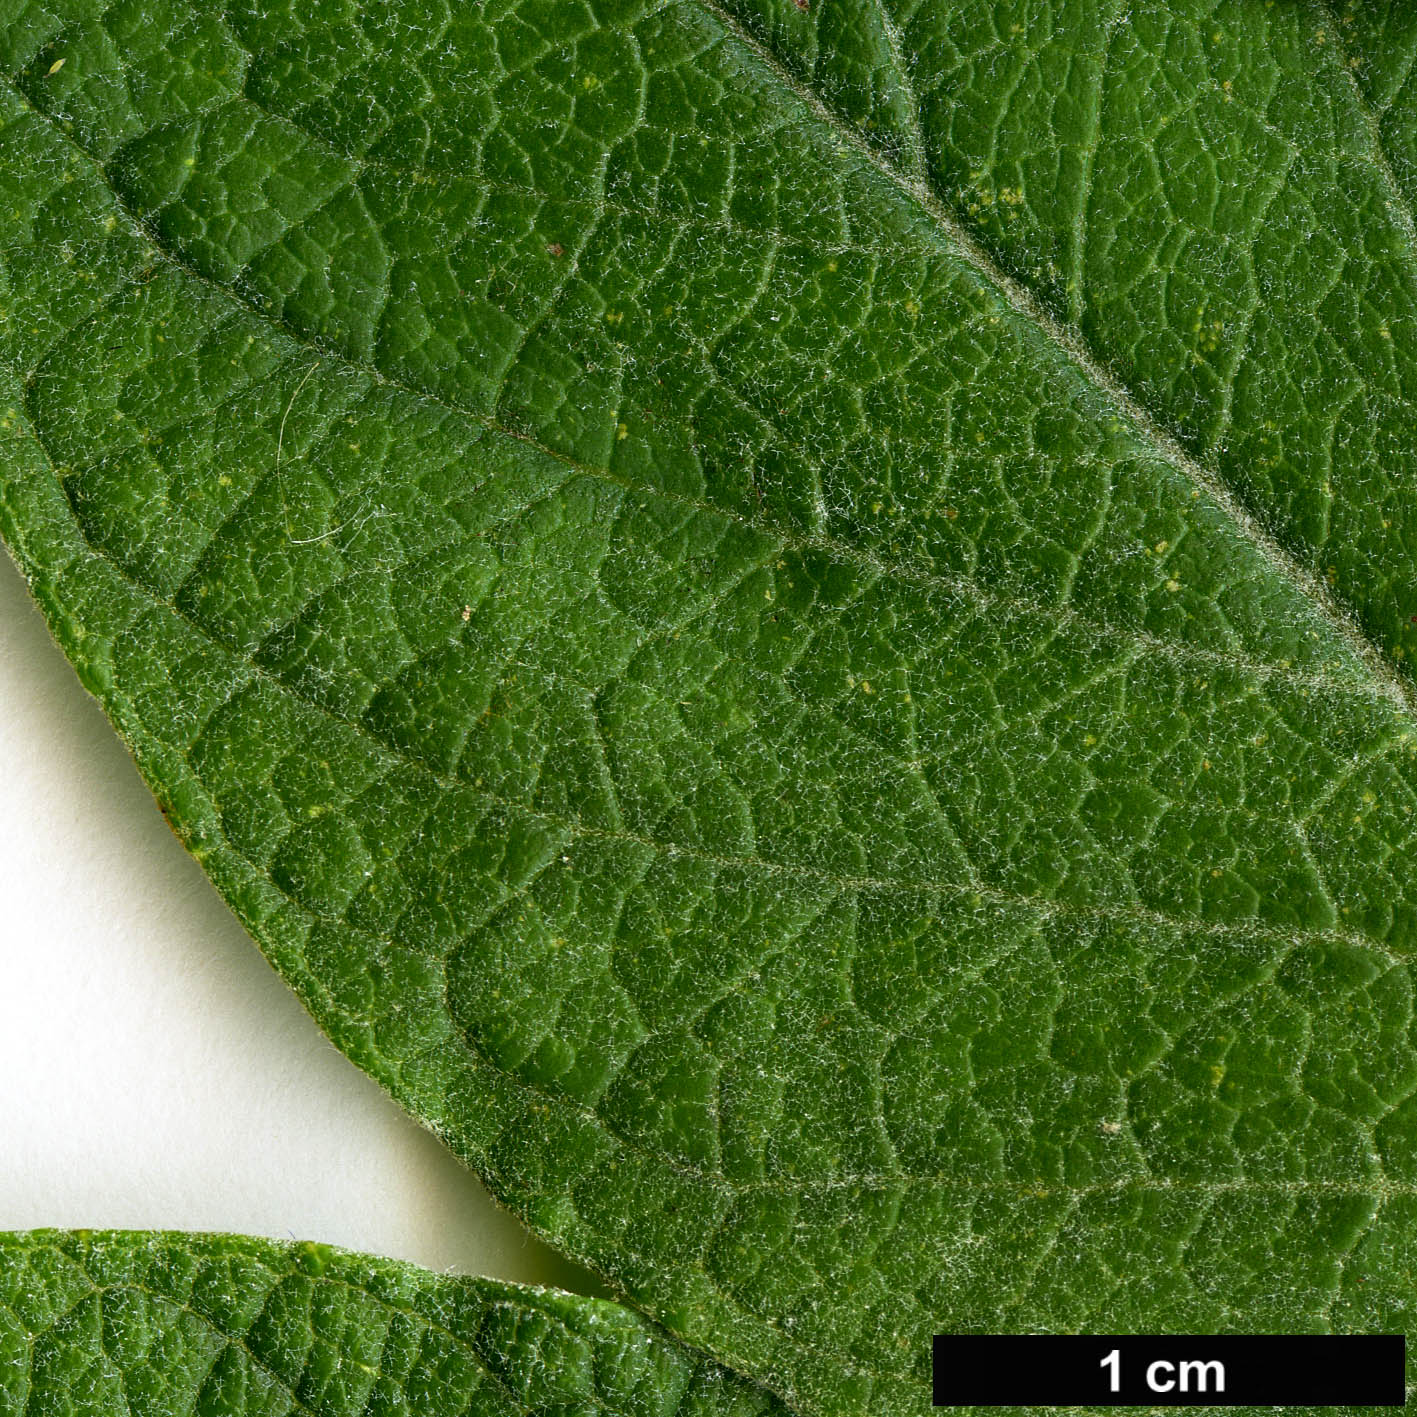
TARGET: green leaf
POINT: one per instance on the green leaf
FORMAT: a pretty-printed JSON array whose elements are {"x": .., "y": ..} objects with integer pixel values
[
  {"x": 791, "y": 620},
  {"x": 95, "y": 1324}
]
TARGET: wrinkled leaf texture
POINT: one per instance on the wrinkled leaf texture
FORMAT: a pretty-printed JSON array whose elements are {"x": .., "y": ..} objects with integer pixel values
[
  {"x": 95, "y": 1323},
  {"x": 792, "y": 621}
]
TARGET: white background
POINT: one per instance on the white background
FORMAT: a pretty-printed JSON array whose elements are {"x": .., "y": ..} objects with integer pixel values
[{"x": 154, "y": 1071}]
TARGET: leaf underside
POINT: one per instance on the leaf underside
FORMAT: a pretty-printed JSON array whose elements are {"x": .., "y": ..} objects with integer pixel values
[
  {"x": 791, "y": 621},
  {"x": 96, "y": 1323}
]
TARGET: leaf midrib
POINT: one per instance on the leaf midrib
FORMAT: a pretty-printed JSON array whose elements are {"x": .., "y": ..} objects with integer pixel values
[
  {"x": 1388, "y": 679},
  {"x": 1397, "y": 202},
  {"x": 1387, "y": 686},
  {"x": 983, "y": 599}
]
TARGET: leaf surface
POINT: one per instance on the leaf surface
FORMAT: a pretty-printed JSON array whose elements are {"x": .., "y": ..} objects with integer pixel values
[
  {"x": 792, "y": 623},
  {"x": 95, "y": 1324}
]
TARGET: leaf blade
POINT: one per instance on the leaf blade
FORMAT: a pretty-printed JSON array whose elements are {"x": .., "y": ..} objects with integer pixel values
[
  {"x": 97, "y": 1321},
  {"x": 690, "y": 823}
]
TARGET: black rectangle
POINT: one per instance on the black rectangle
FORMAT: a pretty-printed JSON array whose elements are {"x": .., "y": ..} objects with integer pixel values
[{"x": 1225, "y": 1370}]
